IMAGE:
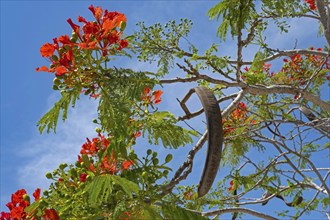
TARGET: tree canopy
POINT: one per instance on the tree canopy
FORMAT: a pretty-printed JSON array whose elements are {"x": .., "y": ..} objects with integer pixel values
[{"x": 274, "y": 122}]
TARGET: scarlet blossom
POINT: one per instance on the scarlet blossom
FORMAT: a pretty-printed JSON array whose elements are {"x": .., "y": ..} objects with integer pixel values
[
  {"x": 90, "y": 28},
  {"x": 5, "y": 215},
  {"x": 76, "y": 28},
  {"x": 81, "y": 19},
  {"x": 311, "y": 4},
  {"x": 83, "y": 177},
  {"x": 36, "y": 194},
  {"x": 97, "y": 12},
  {"x": 10, "y": 205},
  {"x": 51, "y": 214},
  {"x": 18, "y": 212},
  {"x": 328, "y": 77},
  {"x": 108, "y": 25},
  {"x": 47, "y": 50},
  {"x": 89, "y": 45},
  {"x": 18, "y": 196},
  {"x": 61, "y": 70},
  {"x": 43, "y": 69},
  {"x": 146, "y": 90},
  {"x": 127, "y": 164},
  {"x": 246, "y": 69},
  {"x": 231, "y": 185},
  {"x": 123, "y": 43},
  {"x": 157, "y": 95},
  {"x": 137, "y": 134},
  {"x": 65, "y": 40}
]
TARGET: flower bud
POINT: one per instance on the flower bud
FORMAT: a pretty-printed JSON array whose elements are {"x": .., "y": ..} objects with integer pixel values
[
  {"x": 168, "y": 158},
  {"x": 55, "y": 87},
  {"x": 155, "y": 161},
  {"x": 26, "y": 197},
  {"x": 49, "y": 175},
  {"x": 122, "y": 25},
  {"x": 63, "y": 166},
  {"x": 56, "y": 81}
]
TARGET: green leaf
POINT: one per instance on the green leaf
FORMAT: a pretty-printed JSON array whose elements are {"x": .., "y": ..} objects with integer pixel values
[
  {"x": 99, "y": 185},
  {"x": 151, "y": 212},
  {"x": 161, "y": 125},
  {"x": 50, "y": 119},
  {"x": 175, "y": 212},
  {"x": 129, "y": 187}
]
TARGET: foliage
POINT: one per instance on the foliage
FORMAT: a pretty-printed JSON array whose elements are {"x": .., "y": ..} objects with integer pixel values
[{"x": 275, "y": 121}]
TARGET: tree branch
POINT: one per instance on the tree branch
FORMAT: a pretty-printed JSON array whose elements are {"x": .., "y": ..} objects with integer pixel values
[{"x": 232, "y": 210}]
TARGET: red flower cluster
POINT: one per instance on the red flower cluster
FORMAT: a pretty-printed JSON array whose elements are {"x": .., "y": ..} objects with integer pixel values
[
  {"x": 17, "y": 205},
  {"x": 72, "y": 59},
  {"x": 152, "y": 97},
  {"x": 95, "y": 35},
  {"x": 297, "y": 68},
  {"x": 237, "y": 117},
  {"x": 19, "y": 201},
  {"x": 107, "y": 164},
  {"x": 92, "y": 147},
  {"x": 231, "y": 185},
  {"x": 311, "y": 4}
]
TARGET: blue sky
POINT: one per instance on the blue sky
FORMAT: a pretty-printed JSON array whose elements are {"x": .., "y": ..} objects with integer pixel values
[{"x": 26, "y": 95}]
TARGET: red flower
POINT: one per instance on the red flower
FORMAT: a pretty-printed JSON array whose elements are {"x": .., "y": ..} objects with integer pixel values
[
  {"x": 231, "y": 185},
  {"x": 36, "y": 194},
  {"x": 18, "y": 196},
  {"x": 60, "y": 71},
  {"x": 157, "y": 95},
  {"x": 123, "y": 44},
  {"x": 43, "y": 69},
  {"x": 47, "y": 50},
  {"x": 81, "y": 19},
  {"x": 127, "y": 164},
  {"x": 5, "y": 215},
  {"x": 10, "y": 205},
  {"x": 17, "y": 212},
  {"x": 137, "y": 134},
  {"x": 83, "y": 177},
  {"x": 311, "y": 4},
  {"x": 97, "y": 12},
  {"x": 65, "y": 40},
  {"x": 146, "y": 90},
  {"x": 75, "y": 27},
  {"x": 51, "y": 214}
]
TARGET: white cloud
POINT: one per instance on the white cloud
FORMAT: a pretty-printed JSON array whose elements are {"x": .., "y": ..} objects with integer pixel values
[{"x": 43, "y": 153}]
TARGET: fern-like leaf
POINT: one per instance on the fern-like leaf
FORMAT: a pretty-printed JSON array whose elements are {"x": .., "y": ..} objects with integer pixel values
[
  {"x": 175, "y": 212},
  {"x": 50, "y": 119},
  {"x": 162, "y": 125}
]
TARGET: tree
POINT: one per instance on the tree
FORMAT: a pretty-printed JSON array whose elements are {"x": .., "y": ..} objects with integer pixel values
[{"x": 275, "y": 124}]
